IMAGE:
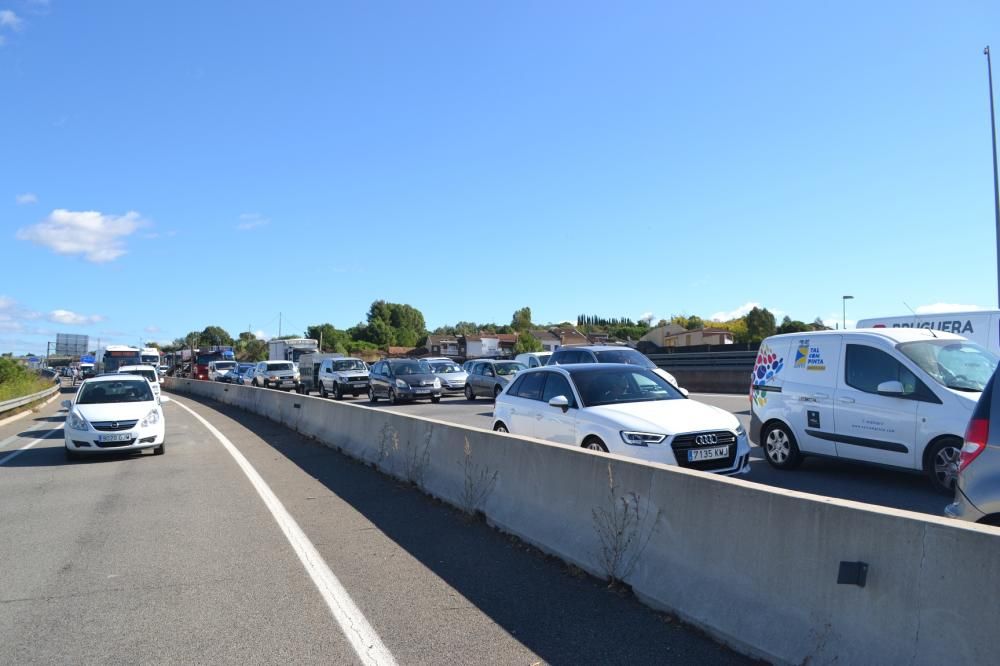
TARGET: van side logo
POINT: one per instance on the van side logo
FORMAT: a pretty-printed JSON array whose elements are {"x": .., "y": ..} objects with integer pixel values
[
  {"x": 808, "y": 357},
  {"x": 768, "y": 365}
]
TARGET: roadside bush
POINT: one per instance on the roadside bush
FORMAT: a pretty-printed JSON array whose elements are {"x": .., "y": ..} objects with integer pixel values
[{"x": 17, "y": 381}]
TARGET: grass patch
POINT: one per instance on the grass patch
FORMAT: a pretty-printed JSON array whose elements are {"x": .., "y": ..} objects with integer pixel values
[{"x": 22, "y": 386}]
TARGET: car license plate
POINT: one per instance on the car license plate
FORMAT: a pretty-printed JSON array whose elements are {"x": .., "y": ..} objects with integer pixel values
[
  {"x": 118, "y": 437},
  {"x": 695, "y": 455},
  {"x": 422, "y": 391}
]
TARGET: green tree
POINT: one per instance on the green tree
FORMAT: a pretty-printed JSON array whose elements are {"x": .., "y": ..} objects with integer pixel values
[
  {"x": 215, "y": 335},
  {"x": 789, "y": 325},
  {"x": 694, "y": 322},
  {"x": 760, "y": 324},
  {"x": 526, "y": 342},
  {"x": 521, "y": 321},
  {"x": 680, "y": 320}
]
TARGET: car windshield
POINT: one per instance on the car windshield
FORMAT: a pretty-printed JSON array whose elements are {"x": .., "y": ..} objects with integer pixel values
[
  {"x": 509, "y": 368},
  {"x": 445, "y": 368},
  {"x": 630, "y": 356},
  {"x": 125, "y": 390},
  {"x": 225, "y": 365},
  {"x": 619, "y": 385},
  {"x": 959, "y": 365},
  {"x": 279, "y": 366},
  {"x": 411, "y": 368},
  {"x": 349, "y": 364},
  {"x": 146, "y": 358}
]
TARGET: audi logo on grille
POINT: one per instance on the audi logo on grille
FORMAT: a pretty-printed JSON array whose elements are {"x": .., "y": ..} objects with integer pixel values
[{"x": 706, "y": 440}]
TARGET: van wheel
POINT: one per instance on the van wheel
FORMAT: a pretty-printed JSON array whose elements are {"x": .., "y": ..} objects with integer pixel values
[
  {"x": 594, "y": 444},
  {"x": 469, "y": 395},
  {"x": 500, "y": 427},
  {"x": 436, "y": 399},
  {"x": 942, "y": 464},
  {"x": 323, "y": 393},
  {"x": 338, "y": 391},
  {"x": 780, "y": 448}
]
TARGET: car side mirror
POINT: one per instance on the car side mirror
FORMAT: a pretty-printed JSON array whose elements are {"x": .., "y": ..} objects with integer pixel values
[
  {"x": 892, "y": 387},
  {"x": 561, "y": 402},
  {"x": 67, "y": 404}
]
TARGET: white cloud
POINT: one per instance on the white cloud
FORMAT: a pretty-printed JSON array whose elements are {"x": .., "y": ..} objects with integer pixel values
[
  {"x": 260, "y": 335},
  {"x": 734, "y": 314},
  {"x": 26, "y": 198},
  {"x": 9, "y": 19},
  {"x": 70, "y": 317},
  {"x": 647, "y": 316},
  {"x": 940, "y": 308},
  {"x": 250, "y": 221},
  {"x": 98, "y": 237}
]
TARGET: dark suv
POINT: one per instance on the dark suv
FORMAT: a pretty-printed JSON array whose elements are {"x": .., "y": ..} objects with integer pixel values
[{"x": 403, "y": 379}]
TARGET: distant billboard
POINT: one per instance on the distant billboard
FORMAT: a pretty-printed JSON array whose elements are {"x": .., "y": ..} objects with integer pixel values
[{"x": 68, "y": 344}]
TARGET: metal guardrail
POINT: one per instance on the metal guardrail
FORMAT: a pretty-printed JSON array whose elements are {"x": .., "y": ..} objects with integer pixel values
[
  {"x": 742, "y": 360},
  {"x": 9, "y": 405}
]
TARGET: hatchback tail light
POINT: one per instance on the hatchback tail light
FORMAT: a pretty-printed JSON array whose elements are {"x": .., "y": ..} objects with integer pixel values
[{"x": 976, "y": 436}]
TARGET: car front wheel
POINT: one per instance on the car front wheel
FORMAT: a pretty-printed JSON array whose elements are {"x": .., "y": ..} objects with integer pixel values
[
  {"x": 500, "y": 427},
  {"x": 780, "y": 448},
  {"x": 160, "y": 450},
  {"x": 371, "y": 396},
  {"x": 469, "y": 394},
  {"x": 594, "y": 444}
]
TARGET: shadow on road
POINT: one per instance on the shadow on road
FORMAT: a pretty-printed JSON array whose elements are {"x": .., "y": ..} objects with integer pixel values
[{"x": 563, "y": 615}]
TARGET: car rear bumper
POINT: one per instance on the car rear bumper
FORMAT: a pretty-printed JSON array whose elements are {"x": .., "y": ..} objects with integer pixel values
[{"x": 963, "y": 509}]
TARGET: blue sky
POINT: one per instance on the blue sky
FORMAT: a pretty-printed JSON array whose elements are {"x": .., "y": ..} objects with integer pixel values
[{"x": 170, "y": 166}]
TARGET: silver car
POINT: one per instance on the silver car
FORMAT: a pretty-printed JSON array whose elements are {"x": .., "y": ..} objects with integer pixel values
[
  {"x": 276, "y": 374},
  {"x": 489, "y": 378},
  {"x": 977, "y": 490},
  {"x": 453, "y": 377}
]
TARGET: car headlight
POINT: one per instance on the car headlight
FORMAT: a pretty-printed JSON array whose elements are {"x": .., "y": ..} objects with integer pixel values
[
  {"x": 740, "y": 432},
  {"x": 76, "y": 421},
  {"x": 437, "y": 383},
  {"x": 401, "y": 384},
  {"x": 641, "y": 438},
  {"x": 151, "y": 419},
  {"x": 298, "y": 377}
]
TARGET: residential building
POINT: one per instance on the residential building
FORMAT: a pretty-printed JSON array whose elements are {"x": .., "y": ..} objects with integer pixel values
[
  {"x": 550, "y": 342},
  {"x": 569, "y": 336},
  {"x": 685, "y": 338},
  {"x": 444, "y": 345}
]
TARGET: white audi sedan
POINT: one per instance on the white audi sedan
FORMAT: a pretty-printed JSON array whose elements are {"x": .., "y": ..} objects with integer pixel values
[
  {"x": 114, "y": 413},
  {"x": 623, "y": 409}
]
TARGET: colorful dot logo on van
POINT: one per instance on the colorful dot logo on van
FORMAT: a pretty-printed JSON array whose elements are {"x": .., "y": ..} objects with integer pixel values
[{"x": 767, "y": 366}]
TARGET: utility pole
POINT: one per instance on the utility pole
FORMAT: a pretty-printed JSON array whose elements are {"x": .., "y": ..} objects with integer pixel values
[
  {"x": 279, "y": 323},
  {"x": 996, "y": 183}
]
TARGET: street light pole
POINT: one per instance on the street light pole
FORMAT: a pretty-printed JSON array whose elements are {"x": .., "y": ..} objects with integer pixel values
[
  {"x": 844, "y": 300},
  {"x": 996, "y": 183}
]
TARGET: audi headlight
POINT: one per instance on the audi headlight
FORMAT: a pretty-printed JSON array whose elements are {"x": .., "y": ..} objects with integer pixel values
[
  {"x": 641, "y": 438},
  {"x": 76, "y": 421},
  {"x": 151, "y": 419},
  {"x": 401, "y": 384},
  {"x": 740, "y": 432}
]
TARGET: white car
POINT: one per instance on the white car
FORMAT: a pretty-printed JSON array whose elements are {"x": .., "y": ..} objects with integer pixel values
[
  {"x": 342, "y": 376},
  {"x": 624, "y": 409},
  {"x": 146, "y": 371},
  {"x": 898, "y": 397},
  {"x": 533, "y": 359},
  {"x": 113, "y": 413},
  {"x": 276, "y": 374},
  {"x": 221, "y": 371}
]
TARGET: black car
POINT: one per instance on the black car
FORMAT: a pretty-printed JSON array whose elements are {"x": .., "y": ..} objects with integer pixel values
[{"x": 403, "y": 379}]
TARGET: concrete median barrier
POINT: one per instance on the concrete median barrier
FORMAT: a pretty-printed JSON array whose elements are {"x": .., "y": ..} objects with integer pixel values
[{"x": 755, "y": 566}]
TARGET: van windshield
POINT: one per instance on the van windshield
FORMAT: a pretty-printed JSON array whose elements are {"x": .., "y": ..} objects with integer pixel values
[{"x": 958, "y": 365}]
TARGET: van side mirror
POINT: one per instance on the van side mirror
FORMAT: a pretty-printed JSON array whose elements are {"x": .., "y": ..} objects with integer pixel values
[
  {"x": 67, "y": 404},
  {"x": 561, "y": 402},
  {"x": 892, "y": 387}
]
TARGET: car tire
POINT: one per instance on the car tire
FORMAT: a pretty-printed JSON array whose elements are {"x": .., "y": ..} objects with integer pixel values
[
  {"x": 594, "y": 444},
  {"x": 497, "y": 390},
  {"x": 941, "y": 464},
  {"x": 323, "y": 393},
  {"x": 500, "y": 427},
  {"x": 469, "y": 393},
  {"x": 780, "y": 448},
  {"x": 393, "y": 399},
  {"x": 372, "y": 398},
  {"x": 338, "y": 391},
  {"x": 254, "y": 383},
  {"x": 160, "y": 450},
  {"x": 436, "y": 399}
]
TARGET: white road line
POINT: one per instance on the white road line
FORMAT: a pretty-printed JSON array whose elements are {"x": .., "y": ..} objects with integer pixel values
[
  {"x": 14, "y": 454},
  {"x": 359, "y": 633}
]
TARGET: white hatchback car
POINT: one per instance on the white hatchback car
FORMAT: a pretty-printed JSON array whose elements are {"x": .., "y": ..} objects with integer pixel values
[
  {"x": 114, "y": 413},
  {"x": 624, "y": 409}
]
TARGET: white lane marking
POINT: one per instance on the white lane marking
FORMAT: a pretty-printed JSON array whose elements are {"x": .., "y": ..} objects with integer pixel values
[
  {"x": 359, "y": 633},
  {"x": 14, "y": 454}
]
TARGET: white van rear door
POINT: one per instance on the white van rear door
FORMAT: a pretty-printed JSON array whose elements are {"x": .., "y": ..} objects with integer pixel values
[{"x": 810, "y": 385}]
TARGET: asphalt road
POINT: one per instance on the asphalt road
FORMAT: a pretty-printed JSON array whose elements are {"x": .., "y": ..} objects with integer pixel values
[
  {"x": 177, "y": 559},
  {"x": 831, "y": 478}
]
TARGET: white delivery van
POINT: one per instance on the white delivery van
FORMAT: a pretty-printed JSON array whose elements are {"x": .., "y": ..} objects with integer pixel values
[
  {"x": 899, "y": 397},
  {"x": 981, "y": 326}
]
